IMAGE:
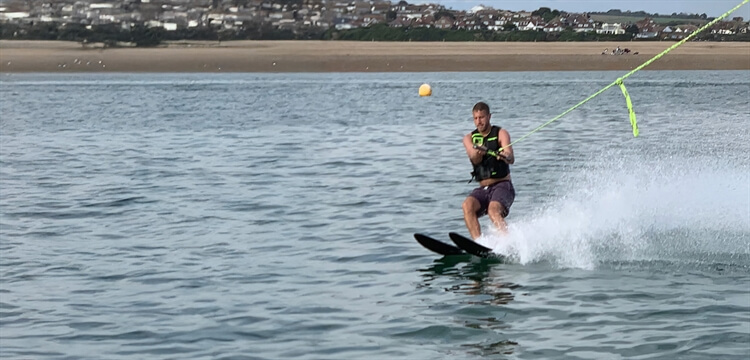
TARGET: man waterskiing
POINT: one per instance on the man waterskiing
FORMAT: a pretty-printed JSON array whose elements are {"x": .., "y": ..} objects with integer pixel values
[{"x": 491, "y": 155}]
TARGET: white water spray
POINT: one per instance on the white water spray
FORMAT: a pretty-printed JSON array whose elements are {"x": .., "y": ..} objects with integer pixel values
[{"x": 672, "y": 209}]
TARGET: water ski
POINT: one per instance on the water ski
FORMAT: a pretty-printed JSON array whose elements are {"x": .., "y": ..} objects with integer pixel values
[
  {"x": 470, "y": 246},
  {"x": 437, "y": 245}
]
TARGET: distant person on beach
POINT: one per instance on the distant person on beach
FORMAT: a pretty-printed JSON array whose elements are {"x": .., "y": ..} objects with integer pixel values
[{"x": 495, "y": 193}]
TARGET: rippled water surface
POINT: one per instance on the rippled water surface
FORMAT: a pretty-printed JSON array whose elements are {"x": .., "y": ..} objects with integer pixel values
[{"x": 249, "y": 216}]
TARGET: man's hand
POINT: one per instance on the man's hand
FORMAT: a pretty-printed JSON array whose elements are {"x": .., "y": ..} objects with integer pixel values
[
  {"x": 480, "y": 149},
  {"x": 475, "y": 155},
  {"x": 504, "y": 157}
]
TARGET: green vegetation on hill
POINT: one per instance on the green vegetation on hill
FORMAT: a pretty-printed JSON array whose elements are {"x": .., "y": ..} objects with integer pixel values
[
  {"x": 143, "y": 36},
  {"x": 546, "y": 13}
]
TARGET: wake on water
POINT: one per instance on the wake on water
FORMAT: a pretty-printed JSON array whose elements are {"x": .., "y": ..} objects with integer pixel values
[{"x": 682, "y": 210}]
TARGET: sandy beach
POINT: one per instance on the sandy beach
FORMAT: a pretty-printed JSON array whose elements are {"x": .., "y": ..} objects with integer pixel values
[{"x": 349, "y": 56}]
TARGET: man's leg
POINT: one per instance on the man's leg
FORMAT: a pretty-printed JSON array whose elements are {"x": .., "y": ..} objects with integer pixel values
[
  {"x": 501, "y": 198},
  {"x": 471, "y": 206},
  {"x": 495, "y": 211}
]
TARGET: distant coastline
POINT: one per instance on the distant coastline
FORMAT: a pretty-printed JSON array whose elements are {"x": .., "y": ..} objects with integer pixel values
[{"x": 359, "y": 56}]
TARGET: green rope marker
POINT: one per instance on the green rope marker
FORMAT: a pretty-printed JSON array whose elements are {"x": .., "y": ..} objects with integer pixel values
[
  {"x": 620, "y": 80},
  {"x": 633, "y": 123}
]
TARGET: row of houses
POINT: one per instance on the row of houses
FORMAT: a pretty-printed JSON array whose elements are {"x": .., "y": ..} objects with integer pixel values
[
  {"x": 339, "y": 14},
  {"x": 648, "y": 29}
]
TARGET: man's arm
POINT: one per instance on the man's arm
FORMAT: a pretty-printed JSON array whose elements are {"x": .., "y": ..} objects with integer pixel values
[
  {"x": 475, "y": 155},
  {"x": 507, "y": 153}
]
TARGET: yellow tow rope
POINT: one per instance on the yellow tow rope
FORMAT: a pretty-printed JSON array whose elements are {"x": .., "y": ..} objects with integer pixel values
[{"x": 619, "y": 81}]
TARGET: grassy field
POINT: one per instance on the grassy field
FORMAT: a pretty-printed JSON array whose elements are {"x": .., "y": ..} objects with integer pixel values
[{"x": 632, "y": 19}]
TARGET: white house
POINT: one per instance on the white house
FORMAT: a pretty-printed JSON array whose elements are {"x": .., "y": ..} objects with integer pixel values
[
  {"x": 554, "y": 27},
  {"x": 649, "y": 32},
  {"x": 584, "y": 27},
  {"x": 13, "y": 15},
  {"x": 476, "y": 9},
  {"x": 615, "y": 29},
  {"x": 101, "y": 6}
]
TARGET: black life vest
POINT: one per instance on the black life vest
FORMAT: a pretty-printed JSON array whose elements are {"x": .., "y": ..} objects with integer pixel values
[{"x": 490, "y": 167}]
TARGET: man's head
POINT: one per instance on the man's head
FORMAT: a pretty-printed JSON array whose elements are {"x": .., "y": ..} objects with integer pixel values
[{"x": 481, "y": 113}]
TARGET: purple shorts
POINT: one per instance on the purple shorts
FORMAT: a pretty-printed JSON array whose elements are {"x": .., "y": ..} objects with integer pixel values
[{"x": 502, "y": 192}]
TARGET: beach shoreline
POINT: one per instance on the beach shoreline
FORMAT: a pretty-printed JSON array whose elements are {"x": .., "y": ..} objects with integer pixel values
[{"x": 353, "y": 56}]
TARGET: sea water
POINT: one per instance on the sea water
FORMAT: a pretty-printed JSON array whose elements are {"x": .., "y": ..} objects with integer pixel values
[{"x": 270, "y": 216}]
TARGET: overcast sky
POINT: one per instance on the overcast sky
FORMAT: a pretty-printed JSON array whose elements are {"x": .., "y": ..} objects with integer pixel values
[{"x": 712, "y": 8}]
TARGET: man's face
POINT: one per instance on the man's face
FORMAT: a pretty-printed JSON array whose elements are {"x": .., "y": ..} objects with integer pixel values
[{"x": 482, "y": 120}]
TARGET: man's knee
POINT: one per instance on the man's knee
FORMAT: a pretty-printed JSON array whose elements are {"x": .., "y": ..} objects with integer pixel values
[
  {"x": 470, "y": 205},
  {"x": 496, "y": 208}
]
